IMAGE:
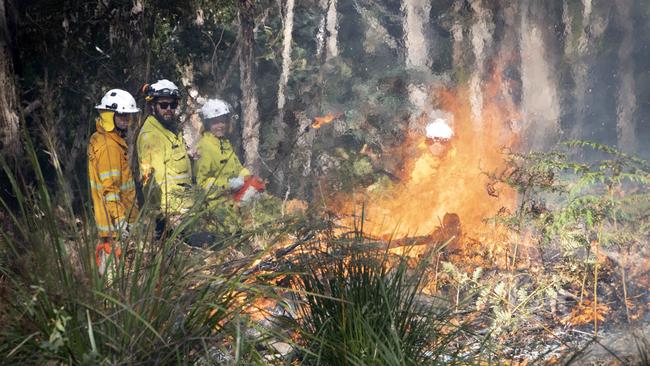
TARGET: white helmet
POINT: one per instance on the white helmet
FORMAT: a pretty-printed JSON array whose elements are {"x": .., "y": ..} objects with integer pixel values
[
  {"x": 118, "y": 100},
  {"x": 213, "y": 108},
  {"x": 161, "y": 88},
  {"x": 439, "y": 130}
]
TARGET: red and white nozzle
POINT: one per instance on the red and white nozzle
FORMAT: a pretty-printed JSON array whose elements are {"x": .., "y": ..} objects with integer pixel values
[{"x": 250, "y": 189}]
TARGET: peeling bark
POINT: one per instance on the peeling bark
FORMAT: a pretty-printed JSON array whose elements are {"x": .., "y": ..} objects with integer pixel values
[
  {"x": 286, "y": 54},
  {"x": 332, "y": 30},
  {"x": 279, "y": 124},
  {"x": 250, "y": 113},
  {"x": 192, "y": 122},
  {"x": 301, "y": 156},
  {"x": 416, "y": 13},
  {"x": 320, "y": 35}
]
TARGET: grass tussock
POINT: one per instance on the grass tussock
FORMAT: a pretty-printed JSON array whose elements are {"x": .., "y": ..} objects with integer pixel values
[
  {"x": 367, "y": 309},
  {"x": 165, "y": 303},
  {"x": 161, "y": 303}
]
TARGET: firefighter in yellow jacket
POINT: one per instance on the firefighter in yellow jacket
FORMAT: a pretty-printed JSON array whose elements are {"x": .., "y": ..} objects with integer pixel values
[
  {"x": 162, "y": 154},
  {"x": 218, "y": 169},
  {"x": 111, "y": 182}
]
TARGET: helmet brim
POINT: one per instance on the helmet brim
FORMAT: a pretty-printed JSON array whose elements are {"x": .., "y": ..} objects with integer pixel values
[{"x": 104, "y": 108}]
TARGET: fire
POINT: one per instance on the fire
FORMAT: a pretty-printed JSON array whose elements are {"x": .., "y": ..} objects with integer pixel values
[
  {"x": 451, "y": 179},
  {"x": 323, "y": 120}
]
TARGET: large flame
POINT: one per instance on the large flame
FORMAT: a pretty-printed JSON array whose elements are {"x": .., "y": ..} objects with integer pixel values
[{"x": 454, "y": 182}]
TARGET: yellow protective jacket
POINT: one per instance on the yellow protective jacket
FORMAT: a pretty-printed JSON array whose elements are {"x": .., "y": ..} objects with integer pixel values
[
  {"x": 111, "y": 182},
  {"x": 217, "y": 163},
  {"x": 162, "y": 156}
]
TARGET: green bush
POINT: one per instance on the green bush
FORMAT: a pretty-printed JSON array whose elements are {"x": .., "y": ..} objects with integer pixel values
[
  {"x": 364, "y": 308},
  {"x": 162, "y": 303}
]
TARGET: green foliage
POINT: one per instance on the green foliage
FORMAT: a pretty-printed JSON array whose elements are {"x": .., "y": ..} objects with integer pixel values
[
  {"x": 160, "y": 303},
  {"x": 606, "y": 198},
  {"x": 364, "y": 309}
]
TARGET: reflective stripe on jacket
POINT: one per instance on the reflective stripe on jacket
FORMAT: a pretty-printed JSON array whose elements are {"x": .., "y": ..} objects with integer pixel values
[
  {"x": 162, "y": 155},
  {"x": 217, "y": 163},
  {"x": 111, "y": 183}
]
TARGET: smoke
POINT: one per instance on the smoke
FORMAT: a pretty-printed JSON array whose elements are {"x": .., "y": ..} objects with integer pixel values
[
  {"x": 482, "y": 33},
  {"x": 540, "y": 104},
  {"x": 572, "y": 68}
]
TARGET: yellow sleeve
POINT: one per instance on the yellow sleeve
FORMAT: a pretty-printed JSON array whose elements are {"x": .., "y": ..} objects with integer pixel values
[
  {"x": 110, "y": 175},
  {"x": 150, "y": 156},
  {"x": 235, "y": 165},
  {"x": 204, "y": 173},
  {"x": 151, "y": 163}
]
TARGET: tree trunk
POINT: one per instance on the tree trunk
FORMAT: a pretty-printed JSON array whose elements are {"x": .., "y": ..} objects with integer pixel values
[
  {"x": 250, "y": 118},
  {"x": 280, "y": 125},
  {"x": 320, "y": 35},
  {"x": 457, "y": 35},
  {"x": 9, "y": 118},
  {"x": 626, "y": 125},
  {"x": 286, "y": 55},
  {"x": 416, "y": 15},
  {"x": 332, "y": 30},
  {"x": 301, "y": 159},
  {"x": 577, "y": 50},
  {"x": 481, "y": 37},
  {"x": 540, "y": 102}
]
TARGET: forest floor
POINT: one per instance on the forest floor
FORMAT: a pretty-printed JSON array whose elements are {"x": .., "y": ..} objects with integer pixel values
[
  {"x": 544, "y": 329},
  {"x": 624, "y": 345}
]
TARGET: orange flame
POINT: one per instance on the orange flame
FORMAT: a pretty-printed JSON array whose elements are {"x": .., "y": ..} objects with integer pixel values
[
  {"x": 446, "y": 181},
  {"x": 323, "y": 120}
]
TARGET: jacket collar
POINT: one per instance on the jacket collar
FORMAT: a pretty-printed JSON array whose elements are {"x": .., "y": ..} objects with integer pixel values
[{"x": 214, "y": 138}]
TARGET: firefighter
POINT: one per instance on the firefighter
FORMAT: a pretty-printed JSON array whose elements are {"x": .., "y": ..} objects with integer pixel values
[
  {"x": 109, "y": 173},
  {"x": 436, "y": 147},
  {"x": 218, "y": 169},
  {"x": 164, "y": 163},
  {"x": 438, "y": 136}
]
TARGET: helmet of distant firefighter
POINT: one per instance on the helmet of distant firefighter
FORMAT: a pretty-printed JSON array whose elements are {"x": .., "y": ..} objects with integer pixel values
[
  {"x": 213, "y": 108},
  {"x": 439, "y": 130},
  {"x": 438, "y": 134},
  {"x": 115, "y": 101}
]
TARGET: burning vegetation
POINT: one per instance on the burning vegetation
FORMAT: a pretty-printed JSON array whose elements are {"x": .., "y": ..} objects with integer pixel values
[
  {"x": 434, "y": 183},
  {"x": 440, "y": 175}
]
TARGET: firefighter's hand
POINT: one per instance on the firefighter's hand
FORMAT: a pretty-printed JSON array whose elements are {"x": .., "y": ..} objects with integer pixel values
[
  {"x": 194, "y": 153},
  {"x": 235, "y": 183}
]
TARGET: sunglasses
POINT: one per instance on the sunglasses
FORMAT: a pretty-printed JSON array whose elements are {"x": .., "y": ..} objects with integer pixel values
[{"x": 165, "y": 105}]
